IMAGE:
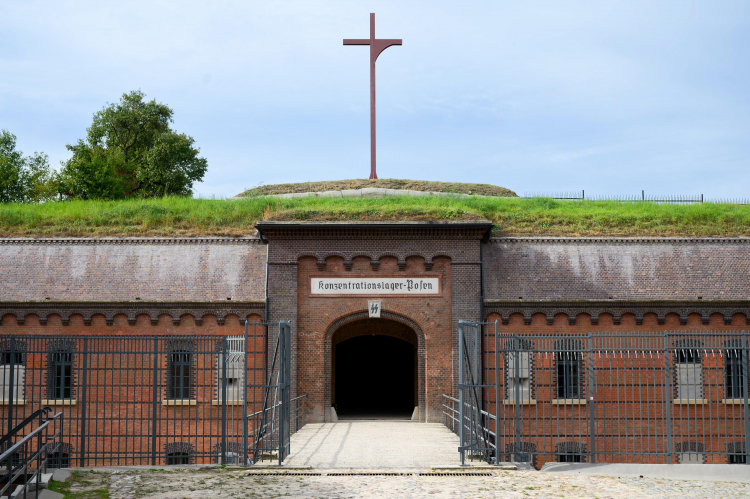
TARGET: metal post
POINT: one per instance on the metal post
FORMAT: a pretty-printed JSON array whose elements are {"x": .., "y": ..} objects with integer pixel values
[
  {"x": 497, "y": 400},
  {"x": 82, "y": 410},
  {"x": 461, "y": 362},
  {"x": 245, "y": 450},
  {"x": 668, "y": 396},
  {"x": 517, "y": 394},
  {"x": 155, "y": 401},
  {"x": 288, "y": 390},
  {"x": 592, "y": 413},
  {"x": 11, "y": 400},
  {"x": 743, "y": 363},
  {"x": 223, "y": 400}
]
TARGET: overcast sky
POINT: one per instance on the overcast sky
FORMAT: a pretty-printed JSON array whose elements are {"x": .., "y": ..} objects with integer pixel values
[{"x": 611, "y": 97}]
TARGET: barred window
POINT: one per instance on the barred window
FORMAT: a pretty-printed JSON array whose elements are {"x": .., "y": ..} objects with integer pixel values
[
  {"x": 179, "y": 453},
  {"x": 736, "y": 453},
  {"x": 235, "y": 366},
  {"x": 570, "y": 452},
  {"x": 690, "y": 453},
  {"x": 568, "y": 359},
  {"x": 521, "y": 452},
  {"x": 518, "y": 370},
  {"x": 734, "y": 371},
  {"x": 60, "y": 358},
  {"x": 689, "y": 371},
  {"x": 180, "y": 359},
  {"x": 17, "y": 360},
  {"x": 232, "y": 455},
  {"x": 59, "y": 457}
]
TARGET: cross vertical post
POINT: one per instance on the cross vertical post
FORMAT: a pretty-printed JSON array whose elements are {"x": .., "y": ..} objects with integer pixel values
[{"x": 376, "y": 47}]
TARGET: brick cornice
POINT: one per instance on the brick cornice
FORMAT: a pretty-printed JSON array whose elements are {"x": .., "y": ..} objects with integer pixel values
[
  {"x": 198, "y": 310},
  {"x": 617, "y": 308},
  {"x": 374, "y": 230},
  {"x": 131, "y": 240},
  {"x": 621, "y": 240}
]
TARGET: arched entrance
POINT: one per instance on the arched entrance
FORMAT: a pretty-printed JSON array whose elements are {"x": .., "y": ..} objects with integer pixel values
[{"x": 375, "y": 369}]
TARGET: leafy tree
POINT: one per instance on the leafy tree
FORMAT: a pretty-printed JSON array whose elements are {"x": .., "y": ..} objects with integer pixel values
[
  {"x": 23, "y": 179},
  {"x": 130, "y": 151}
]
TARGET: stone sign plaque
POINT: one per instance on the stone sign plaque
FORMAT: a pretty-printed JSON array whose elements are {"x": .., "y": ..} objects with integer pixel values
[{"x": 417, "y": 286}]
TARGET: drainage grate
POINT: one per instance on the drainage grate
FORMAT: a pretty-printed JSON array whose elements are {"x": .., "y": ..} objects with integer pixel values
[
  {"x": 281, "y": 473},
  {"x": 374, "y": 473}
]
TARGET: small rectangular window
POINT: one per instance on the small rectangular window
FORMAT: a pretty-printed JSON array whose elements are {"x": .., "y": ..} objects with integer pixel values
[
  {"x": 235, "y": 364},
  {"x": 180, "y": 380},
  {"x": 15, "y": 362},
  {"x": 689, "y": 374},
  {"x": 734, "y": 376},
  {"x": 518, "y": 376},
  {"x": 60, "y": 374},
  {"x": 568, "y": 375},
  {"x": 569, "y": 458}
]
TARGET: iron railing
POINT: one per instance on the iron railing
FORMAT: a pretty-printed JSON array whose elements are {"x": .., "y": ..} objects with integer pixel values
[
  {"x": 26, "y": 452},
  {"x": 145, "y": 400},
  {"x": 650, "y": 198},
  {"x": 675, "y": 397}
]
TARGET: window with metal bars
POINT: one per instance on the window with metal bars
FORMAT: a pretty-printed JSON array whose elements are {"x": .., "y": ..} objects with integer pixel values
[
  {"x": 689, "y": 371},
  {"x": 735, "y": 382},
  {"x": 568, "y": 375},
  {"x": 180, "y": 359},
  {"x": 60, "y": 457},
  {"x": 179, "y": 453},
  {"x": 570, "y": 452},
  {"x": 60, "y": 379},
  {"x": 736, "y": 453}
]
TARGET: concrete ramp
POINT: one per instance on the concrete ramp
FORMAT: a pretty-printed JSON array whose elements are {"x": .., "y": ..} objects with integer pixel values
[{"x": 373, "y": 445}]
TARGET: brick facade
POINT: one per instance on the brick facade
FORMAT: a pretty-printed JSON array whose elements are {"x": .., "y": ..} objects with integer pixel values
[{"x": 531, "y": 286}]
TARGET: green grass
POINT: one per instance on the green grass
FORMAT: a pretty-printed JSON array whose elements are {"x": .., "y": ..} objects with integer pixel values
[
  {"x": 512, "y": 216},
  {"x": 78, "y": 481}
]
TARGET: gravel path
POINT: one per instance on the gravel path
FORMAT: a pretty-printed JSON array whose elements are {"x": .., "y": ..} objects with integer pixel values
[{"x": 237, "y": 483}]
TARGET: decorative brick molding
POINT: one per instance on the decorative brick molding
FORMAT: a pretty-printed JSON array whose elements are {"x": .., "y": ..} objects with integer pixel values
[
  {"x": 617, "y": 309},
  {"x": 132, "y": 310}
]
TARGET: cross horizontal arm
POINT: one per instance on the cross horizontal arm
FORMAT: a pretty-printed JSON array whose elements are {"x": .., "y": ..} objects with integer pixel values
[{"x": 360, "y": 41}]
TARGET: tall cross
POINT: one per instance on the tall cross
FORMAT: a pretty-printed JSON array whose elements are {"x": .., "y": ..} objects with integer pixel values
[{"x": 376, "y": 47}]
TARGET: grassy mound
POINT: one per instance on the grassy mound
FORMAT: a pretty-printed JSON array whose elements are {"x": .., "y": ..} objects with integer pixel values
[
  {"x": 384, "y": 183},
  {"x": 512, "y": 216}
]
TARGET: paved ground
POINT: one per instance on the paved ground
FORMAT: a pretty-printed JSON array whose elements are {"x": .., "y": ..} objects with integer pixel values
[
  {"x": 221, "y": 484},
  {"x": 373, "y": 444}
]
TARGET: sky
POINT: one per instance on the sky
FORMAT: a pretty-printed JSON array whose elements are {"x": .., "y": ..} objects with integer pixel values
[{"x": 609, "y": 97}]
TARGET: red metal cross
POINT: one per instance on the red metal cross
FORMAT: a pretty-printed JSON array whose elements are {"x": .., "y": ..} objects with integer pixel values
[{"x": 376, "y": 47}]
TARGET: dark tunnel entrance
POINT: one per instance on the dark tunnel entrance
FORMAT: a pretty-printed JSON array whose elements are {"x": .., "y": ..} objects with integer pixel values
[{"x": 374, "y": 375}]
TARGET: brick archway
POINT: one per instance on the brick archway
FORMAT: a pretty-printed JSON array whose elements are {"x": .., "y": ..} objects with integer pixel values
[{"x": 385, "y": 317}]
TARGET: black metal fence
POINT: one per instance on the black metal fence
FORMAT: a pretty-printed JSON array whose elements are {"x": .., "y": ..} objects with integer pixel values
[
  {"x": 675, "y": 397},
  {"x": 144, "y": 400},
  {"x": 642, "y": 197}
]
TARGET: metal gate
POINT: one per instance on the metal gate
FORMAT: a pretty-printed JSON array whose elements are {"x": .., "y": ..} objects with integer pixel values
[{"x": 145, "y": 400}]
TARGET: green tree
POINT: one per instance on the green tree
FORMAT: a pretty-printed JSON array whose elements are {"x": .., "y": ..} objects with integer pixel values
[
  {"x": 23, "y": 179},
  {"x": 130, "y": 151}
]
